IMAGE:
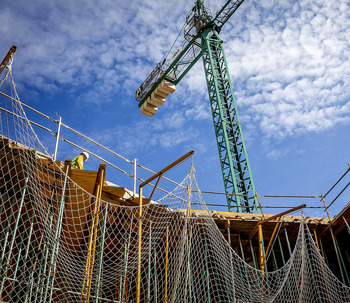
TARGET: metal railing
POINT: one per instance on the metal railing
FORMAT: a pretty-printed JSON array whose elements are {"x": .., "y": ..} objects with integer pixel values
[{"x": 58, "y": 135}]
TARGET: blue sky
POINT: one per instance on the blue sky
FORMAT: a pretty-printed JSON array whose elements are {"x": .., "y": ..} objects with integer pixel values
[{"x": 289, "y": 64}]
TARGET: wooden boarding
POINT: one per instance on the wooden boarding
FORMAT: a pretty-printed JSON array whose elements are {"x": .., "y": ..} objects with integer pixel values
[
  {"x": 116, "y": 195},
  {"x": 244, "y": 223},
  {"x": 338, "y": 224}
]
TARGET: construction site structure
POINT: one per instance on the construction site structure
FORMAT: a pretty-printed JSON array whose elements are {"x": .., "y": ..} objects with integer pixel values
[
  {"x": 201, "y": 39},
  {"x": 69, "y": 235}
]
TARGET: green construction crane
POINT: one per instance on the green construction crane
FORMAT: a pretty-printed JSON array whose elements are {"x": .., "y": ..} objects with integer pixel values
[{"x": 201, "y": 39}]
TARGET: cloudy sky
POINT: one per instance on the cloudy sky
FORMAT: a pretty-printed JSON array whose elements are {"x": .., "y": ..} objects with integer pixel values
[{"x": 289, "y": 63}]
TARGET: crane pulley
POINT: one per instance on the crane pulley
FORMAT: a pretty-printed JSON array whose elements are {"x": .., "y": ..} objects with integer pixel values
[{"x": 201, "y": 40}]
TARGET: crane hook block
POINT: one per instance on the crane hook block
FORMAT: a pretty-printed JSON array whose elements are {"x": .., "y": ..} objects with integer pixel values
[{"x": 158, "y": 96}]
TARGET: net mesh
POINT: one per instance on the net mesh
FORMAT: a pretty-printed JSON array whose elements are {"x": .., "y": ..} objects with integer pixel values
[{"x": 59, "y": 243}]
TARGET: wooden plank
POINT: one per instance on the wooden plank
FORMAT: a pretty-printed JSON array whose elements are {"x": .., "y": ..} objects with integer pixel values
[
  {"x": 117, "y": 191},
  {"x": 85, "y": 179},
  {"x": 338, "y": 221}
]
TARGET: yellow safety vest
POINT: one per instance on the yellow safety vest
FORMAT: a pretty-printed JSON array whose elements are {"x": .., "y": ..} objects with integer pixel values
[{"x": 78, "y": 162}]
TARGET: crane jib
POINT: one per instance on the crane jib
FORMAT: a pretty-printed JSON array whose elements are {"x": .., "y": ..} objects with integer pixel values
[
  {"x": 161, "y": 71},
  {"x": 151, "y": 76}
]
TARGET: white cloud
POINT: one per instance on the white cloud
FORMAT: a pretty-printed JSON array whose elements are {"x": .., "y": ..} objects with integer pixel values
[
  {"x": 289, "y": 62},
  {"x": 293, "y": 78}
]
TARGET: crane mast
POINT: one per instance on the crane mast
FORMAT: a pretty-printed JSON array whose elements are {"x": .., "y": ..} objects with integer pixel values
[{"x": 201, "y": 39}]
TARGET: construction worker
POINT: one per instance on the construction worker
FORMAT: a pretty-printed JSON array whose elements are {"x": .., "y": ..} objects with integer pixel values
[{"x": 78, "y": 160}]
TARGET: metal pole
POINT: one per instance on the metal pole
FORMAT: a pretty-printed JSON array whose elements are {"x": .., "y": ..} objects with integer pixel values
[
  {"x": 245, "y": 267},
  {"x": 323, "y": 252},
  {"x": 257, "y": 198},
  {"x": 274, "y": 260},
  {"x": 261, "y": 254},
  {"x": 32, "y": 258},
  {"x": 338, "y": 251},
  {"x": 231, "y": 263},
  {"x": 57, "y": 138},
  {"x": 287, "y": 239},
  {"x": 302, "y": 264},
  {"x": 166, "y": 264},
  {"x": 188, "y": 243},
  {"x": 326, "y": 208},
  {"x": 149, "y": 264},
  {"x": 122, "y": 266},
  {"x": 324, "y": 276},
  {"x": 207, "y": 270},
  {"x": 338, "y": 195},
  {"x": 19, "y": 252},
  {"x": 102, "y": 243},
  {"x": 138, "y": 281},
  {"x": 253, "y": 254},
  {"x": 269, "y": 246},
  {"x": 52, "y": 267},
  {"x": 338, "y": 181},
  {"x": 337, "y": 254},
  {"x": 135, "y": 179},
  {"x": 347, "y": 225},
  {"x": 170, "y": 166},
  {"x": 126, "y": 255},
  {"x": 36, "y": 252},
  {"x": 41, "y": 279},
  {"x": 90, "y": 260},
  {"x": 155, "y": 279},
  {"x": 7, "y": 228},
  {"x": 13, "y": 237},
  {"x": 255, "y": 261}
]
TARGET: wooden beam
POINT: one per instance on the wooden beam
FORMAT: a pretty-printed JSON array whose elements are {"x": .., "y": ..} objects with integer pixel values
[
  {"x": 253, "y": 232},
  {"x": 335, "y": 221},
  {"x": 170, "y": 166},
  {"x": 7, "y": 58},
  {"x": 271, "y": 239}
]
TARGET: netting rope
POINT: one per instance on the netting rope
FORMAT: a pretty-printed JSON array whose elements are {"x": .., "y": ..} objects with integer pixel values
[{"x": 59, "y": 243}]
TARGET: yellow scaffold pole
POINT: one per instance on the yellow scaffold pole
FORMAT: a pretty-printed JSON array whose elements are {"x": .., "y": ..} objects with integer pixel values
[{"x": 90, "y": 257}]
